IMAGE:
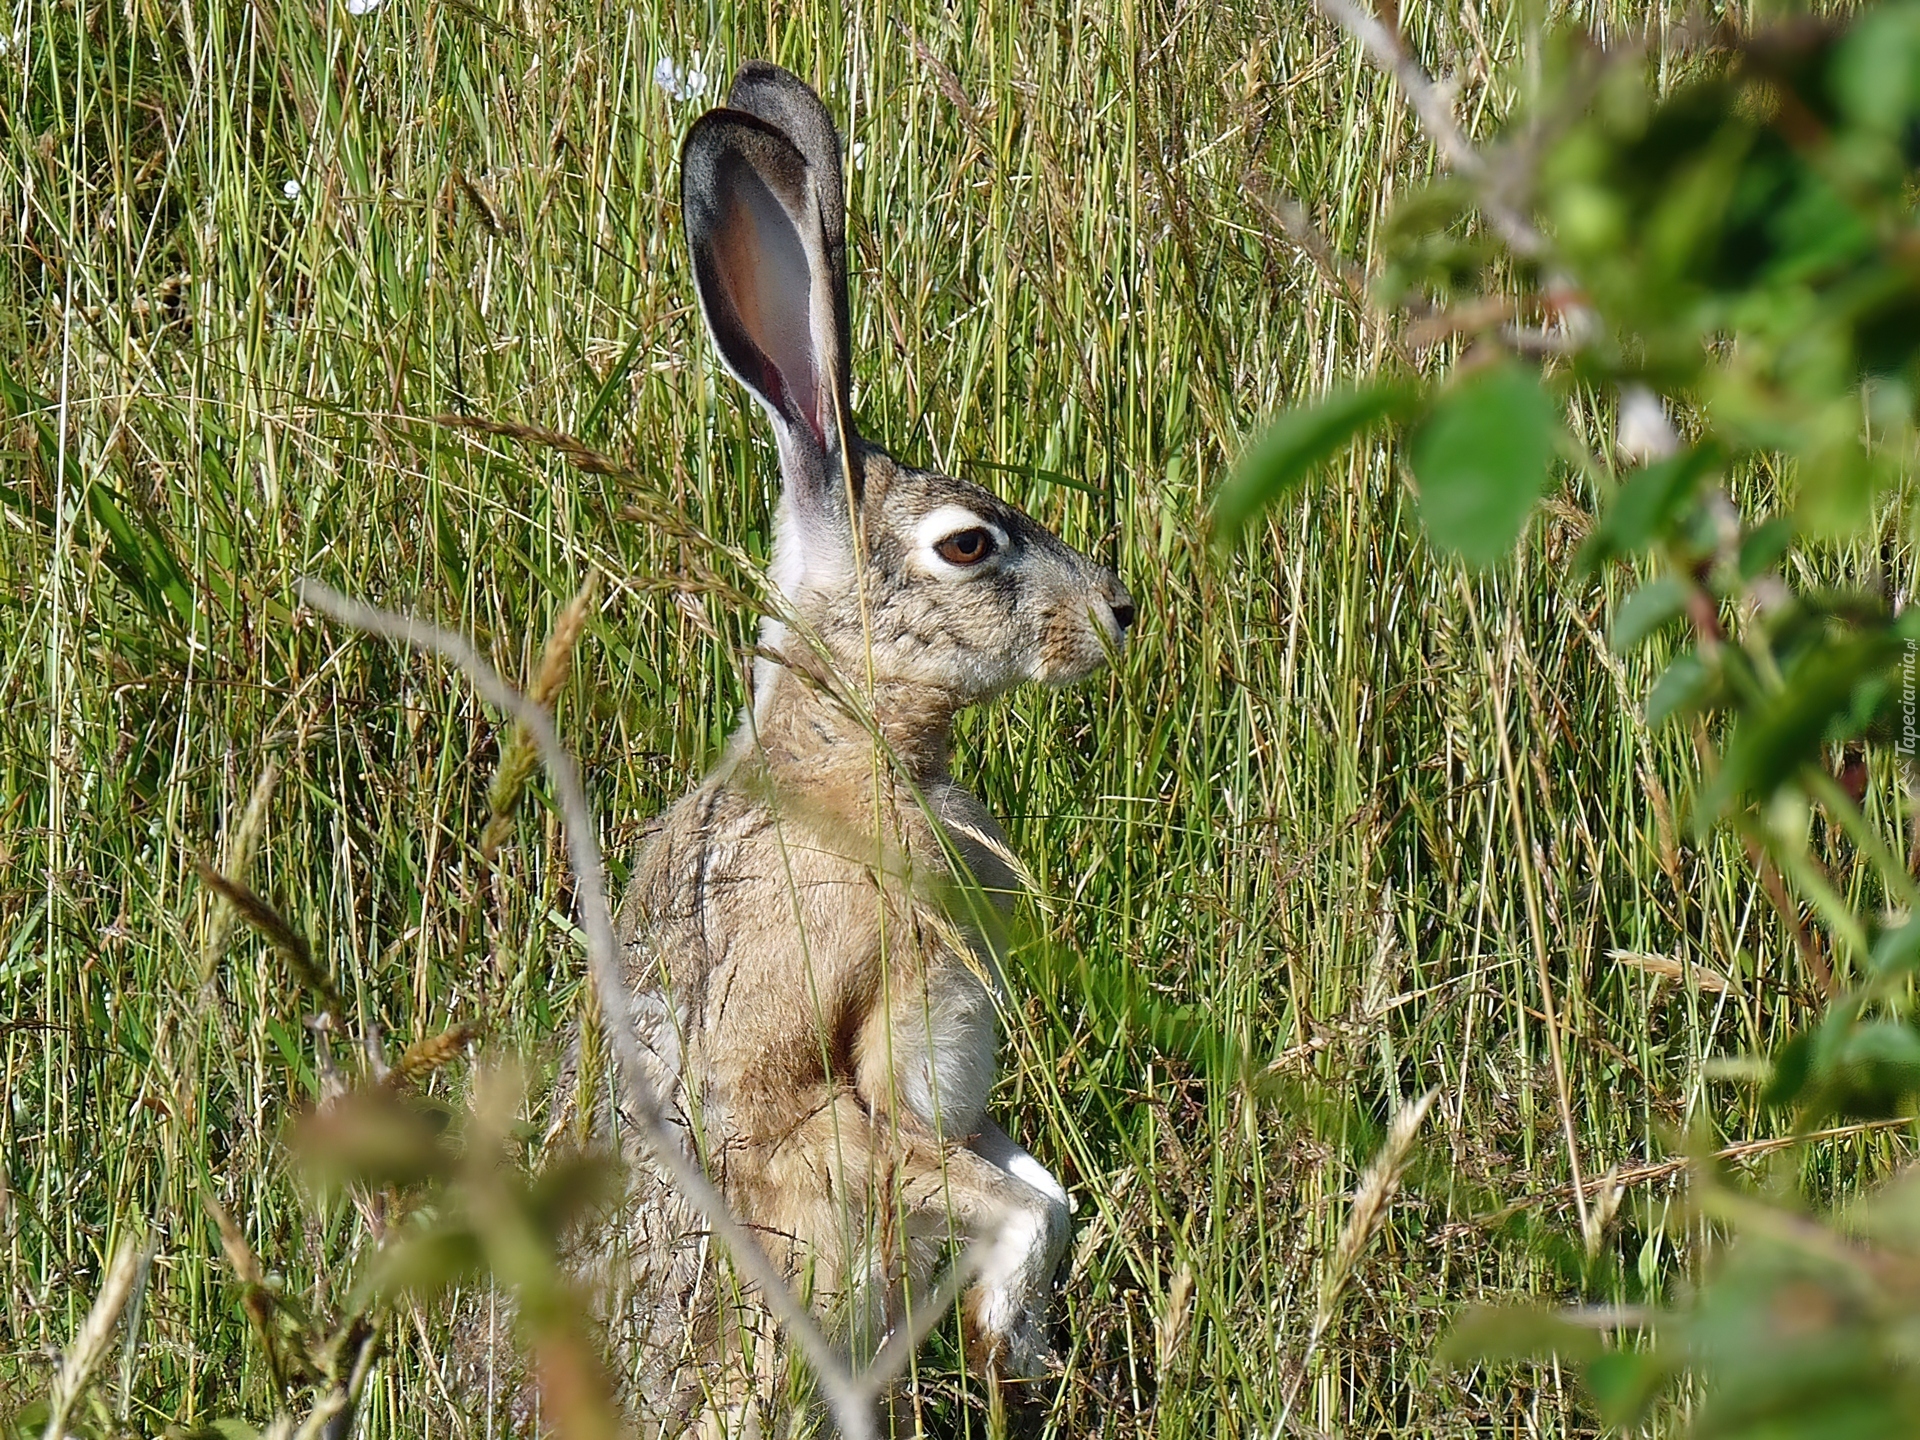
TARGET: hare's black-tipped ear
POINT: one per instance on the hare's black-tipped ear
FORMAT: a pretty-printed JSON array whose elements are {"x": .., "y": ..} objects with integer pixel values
[
  {"x": 792, "y": 107},
  {"x": 773, "y": 289}
]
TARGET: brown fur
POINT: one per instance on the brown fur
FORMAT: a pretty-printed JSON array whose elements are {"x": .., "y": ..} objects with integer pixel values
[{"x": 811, "y": 936}]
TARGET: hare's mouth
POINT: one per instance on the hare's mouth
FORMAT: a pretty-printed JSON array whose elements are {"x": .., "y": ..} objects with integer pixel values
[{"x": 1075, "y": 647}]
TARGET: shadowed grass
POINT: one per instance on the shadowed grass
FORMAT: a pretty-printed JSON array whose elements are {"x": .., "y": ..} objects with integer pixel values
[{"x": 254, "y": 248}]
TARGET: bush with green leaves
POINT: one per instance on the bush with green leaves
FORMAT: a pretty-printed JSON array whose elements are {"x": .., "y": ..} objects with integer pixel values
[{"x": 1726, "y": 267}]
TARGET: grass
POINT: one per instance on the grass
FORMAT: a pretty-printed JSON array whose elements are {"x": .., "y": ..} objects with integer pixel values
[{"x": 1339, "y": 812}]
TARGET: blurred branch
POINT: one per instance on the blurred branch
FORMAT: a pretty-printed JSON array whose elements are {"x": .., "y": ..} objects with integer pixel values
[
  {"x": 332, "y": 1418},
  {"x": 1433, "y": 106},
  {"x": 1289, "y": 219}
]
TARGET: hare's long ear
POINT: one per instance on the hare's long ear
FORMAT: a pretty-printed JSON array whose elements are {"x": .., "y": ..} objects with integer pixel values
[
  {"x": 766, "y": 231},
  {"x": 791, "y": 106}
]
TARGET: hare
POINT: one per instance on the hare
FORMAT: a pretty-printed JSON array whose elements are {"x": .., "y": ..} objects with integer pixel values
[{"x": 819, "y": 993}]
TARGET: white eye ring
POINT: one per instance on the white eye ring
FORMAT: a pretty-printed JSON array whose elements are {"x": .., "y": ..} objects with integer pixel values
[{"x": 950, "y": 522}]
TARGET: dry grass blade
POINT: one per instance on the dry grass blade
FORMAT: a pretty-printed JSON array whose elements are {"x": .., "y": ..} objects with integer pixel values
[
  {"x": 578, "y": 454},
  {"x": 274, "y": 927},
  {"x": 1371, "y": 1199},
  {"x": 240, "y": 847},
  {"x": 90, "y": 1344},
  {"x": 848, "y": 1399},
  {"x": 1624, "y": 1177},
  {"x": 254, "y": 1298},
  {"x": 1170, "y": 1329},
  {"x": 239, "y": 1253},
  {"x": 1665, "y": 967}
]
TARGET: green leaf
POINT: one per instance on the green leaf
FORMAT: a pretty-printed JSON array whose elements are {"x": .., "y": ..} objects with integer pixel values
[
  {"x": 1774, "y": 740},
  {"x": 1861, "y": 1070},
  {"x": 1836, "y": 488},
  {"x": 1876, "y": 70},
  {"x": 140, "y": 554},
  {"x": 1686, "y": 682},
  {"x": 1481, "y": 458},
  {"x": 1515, "y": 1332},
  {"x": 1647, "y": 504},
  {"x": 1792, "y": 1068},
  {"x": 1646, "y": 610},
  {"x": 1624, "y": 1384},
  {"x": 1885, "y": 1056},
  {"x": 425, "y": 1263},
  {"x": 1762, "y": 546},
  {"x": 615, "y": 378},
  {"x": 27, "y": 508},
  {"x": 1298, "y": 441},
  {"x": 143, "y": 549},
  {"x": 1897, "y": 950}
]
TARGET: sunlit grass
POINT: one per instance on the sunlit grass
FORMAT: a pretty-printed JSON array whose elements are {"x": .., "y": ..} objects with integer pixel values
[{"x": 253, "y": 248}]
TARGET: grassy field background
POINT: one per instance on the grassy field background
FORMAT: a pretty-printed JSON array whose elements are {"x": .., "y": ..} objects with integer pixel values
[{"x": 1339, "y": 812}]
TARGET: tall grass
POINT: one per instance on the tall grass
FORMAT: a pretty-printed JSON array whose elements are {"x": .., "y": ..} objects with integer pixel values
[{"x": 1288, "y": 863}]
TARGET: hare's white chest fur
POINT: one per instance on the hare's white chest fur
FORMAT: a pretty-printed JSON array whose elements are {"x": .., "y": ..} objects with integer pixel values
[{"x": 948, "y": 1059}]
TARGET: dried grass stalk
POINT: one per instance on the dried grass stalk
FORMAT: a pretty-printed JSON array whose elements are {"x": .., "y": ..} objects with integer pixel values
[
  {"x": 520, "y": 757},
  {"x": 288, "y": 941},
  {"x": 1665, "y": 967},
  {"x": 1371, "y": 1199},
  {"x": 1170, "y": 1330},
  {"x": 423, "y": 1057},
  {"x": 130, "y": 1262},
  {"x": 241, "y": 844}
]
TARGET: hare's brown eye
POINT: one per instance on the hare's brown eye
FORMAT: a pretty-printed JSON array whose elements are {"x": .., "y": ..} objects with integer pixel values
[{"x": 966, "y": 547}]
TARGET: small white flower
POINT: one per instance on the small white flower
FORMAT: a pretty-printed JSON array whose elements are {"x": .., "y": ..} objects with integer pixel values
[
  {"x": 681, "y": 82},
  {"x": 291, "y": 189},
  {"x": 363, "y": 7}
]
